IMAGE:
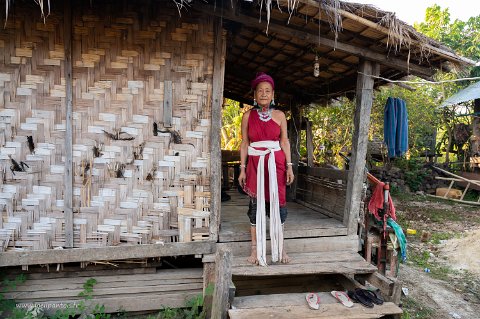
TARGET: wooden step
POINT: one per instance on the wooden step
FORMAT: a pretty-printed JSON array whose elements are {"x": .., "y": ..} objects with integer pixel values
[
  {"x": 294, "y": 306},
  {"x": 339, "y": 262},
  {"x": 318, "y": 244}
]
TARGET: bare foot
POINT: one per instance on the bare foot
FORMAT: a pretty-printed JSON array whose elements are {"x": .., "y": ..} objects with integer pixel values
[
  {"x": 253, "y": 256},
  {"x": 285, "y": 259}
]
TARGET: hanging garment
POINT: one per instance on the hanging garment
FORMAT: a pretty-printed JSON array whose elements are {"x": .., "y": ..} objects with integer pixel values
[{"x": 395, "y": 127}]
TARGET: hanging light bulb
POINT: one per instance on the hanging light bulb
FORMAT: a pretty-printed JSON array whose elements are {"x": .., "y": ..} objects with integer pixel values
[{"x": 316, "y": 67}]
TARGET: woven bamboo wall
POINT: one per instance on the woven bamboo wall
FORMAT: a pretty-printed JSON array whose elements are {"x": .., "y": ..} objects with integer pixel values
[{"x": 146, "y": 187}]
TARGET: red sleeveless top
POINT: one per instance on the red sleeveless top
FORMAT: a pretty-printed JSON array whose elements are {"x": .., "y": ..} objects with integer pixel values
[{"x": 259, "y": 130}]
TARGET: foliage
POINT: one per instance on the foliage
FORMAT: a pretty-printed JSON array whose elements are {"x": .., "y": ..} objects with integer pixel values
[
  {"x": 194, "y": 308},
  {"x": 414, "y": 172},
  {"x": 414, "y": 309},
  {"x": 232, "y": 125},
  {"x": 8, "y": 307},
  {"x": 332, "y": 130},
  {"x": 461, "y": 36}
]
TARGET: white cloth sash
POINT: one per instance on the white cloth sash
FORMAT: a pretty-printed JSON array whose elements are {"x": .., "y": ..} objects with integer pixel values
[{"x": 276, "y": 231}]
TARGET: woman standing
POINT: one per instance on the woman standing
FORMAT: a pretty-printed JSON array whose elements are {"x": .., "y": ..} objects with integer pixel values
[{"x": 269, "y": 169}]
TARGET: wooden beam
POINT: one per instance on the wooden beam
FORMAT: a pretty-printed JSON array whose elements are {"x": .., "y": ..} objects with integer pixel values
[
  {"x": 356, "y": 176},
  {"x": 68, "y": 69},
  {"x": 60, "y": 256},
  {"x": 309, "y": 137},
  {"x": 294, "y": 137},
  {"x": 476, "y": 130},
  {"x": 314, "y": 38},
  {"x": 216, "y": 125},
  {"x": 330, "y": 173},
  {"x": 223, "y": 279}
]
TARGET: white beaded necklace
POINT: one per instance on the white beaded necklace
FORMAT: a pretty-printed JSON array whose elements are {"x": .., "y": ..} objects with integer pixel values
[{"x": 265, "y": 116}]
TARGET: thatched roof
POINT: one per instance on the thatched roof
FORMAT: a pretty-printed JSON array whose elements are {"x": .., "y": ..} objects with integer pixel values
[
  {"x": 339, "y": 33},
  {"x": 283, "y": 37}
]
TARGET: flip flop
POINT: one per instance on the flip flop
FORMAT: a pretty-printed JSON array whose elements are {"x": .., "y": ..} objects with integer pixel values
[
  {"x": 313, "y": 300},
  {"x": 361, "y": 298},
  {"x": 343, "y": 298},
  {"x": 374, "y": 296}
]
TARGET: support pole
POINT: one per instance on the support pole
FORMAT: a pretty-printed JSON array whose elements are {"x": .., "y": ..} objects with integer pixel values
[
  {"x": 223, "y": 275},
  {"x": 68, "y": 194},
  {"x": 216, "y": 125},
  {"x": 356, "y": 174}
]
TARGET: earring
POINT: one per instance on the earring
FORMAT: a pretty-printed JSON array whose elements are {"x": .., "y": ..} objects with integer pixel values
[
  {"x": 255, "y": 103},
  {"x": 272, "y": 104}
]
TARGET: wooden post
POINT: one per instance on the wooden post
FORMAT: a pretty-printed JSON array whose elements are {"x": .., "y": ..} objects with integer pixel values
[
  {"x": 309, "y": 137},
  {"x": 476, "y": 130},
  {"x": 356, "y": 175},
  {"x": 223, "y": 276},
  {"x": 68, "y": 195},
  {"x": 294, "y": 137},
  {"x": 216, "y": 125}
]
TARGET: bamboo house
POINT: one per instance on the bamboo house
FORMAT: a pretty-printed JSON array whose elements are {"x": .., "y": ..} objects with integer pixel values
[{"x": 110, "y": 118}]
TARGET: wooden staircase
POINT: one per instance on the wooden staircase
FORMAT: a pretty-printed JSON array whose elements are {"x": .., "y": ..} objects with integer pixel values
[{"x": 320, "y": 264}]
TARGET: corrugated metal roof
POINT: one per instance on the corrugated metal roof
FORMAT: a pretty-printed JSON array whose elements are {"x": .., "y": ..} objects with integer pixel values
[{"x": 469, "y": 93}]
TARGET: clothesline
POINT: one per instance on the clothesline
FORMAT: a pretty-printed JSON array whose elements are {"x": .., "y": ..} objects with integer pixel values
[{"x": 421, "y": 82}]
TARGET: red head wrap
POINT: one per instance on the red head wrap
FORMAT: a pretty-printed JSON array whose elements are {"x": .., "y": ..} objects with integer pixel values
[{"x": 262, "y": 77}]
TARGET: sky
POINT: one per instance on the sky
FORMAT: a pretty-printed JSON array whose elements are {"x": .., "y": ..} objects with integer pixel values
[{"x": 412, "y": 11}]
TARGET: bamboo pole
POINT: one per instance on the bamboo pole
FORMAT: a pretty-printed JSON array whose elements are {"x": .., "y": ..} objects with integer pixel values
[{"x": 68, "y": 194}]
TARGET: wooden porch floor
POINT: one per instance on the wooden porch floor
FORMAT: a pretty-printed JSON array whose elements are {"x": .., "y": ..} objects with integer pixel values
[{"x": 302, "y": 222}]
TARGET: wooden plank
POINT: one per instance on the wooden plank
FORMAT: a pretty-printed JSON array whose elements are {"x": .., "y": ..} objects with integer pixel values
[
  {"x": 330, "y": 173},
  {"x": 65, "y": 273},
  {"x": 216, "y": 125},
  {"x": 320, "y": 244},
  {"x": 356, "y": 175},
  {"x": 309, "y": 137},
  {"x": 319, "y": 209},
  {"x": 322, "y": 230},
  {"x": 223, "y": 279},
  {"x": 125, "y": 289},
  {"x": 208, "y": 281},
  {"x": 341, "y": 267},
  {"x": 68, "y": 70},
  {"x": 136, "y": 302},
  {"x": 167, "y": 103},
  {"x": 390, "y": 288},
  {"x": 456, "y": 200},
  {"x": 330, "y": 311},
  {"x": 38, "y": 257}
]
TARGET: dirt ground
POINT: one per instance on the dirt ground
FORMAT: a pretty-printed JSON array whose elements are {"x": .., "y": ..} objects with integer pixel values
[{"x": 447, "y": 243}]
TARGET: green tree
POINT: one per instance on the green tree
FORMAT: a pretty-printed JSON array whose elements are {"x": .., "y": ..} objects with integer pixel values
[{"x": 231, "y": 125}]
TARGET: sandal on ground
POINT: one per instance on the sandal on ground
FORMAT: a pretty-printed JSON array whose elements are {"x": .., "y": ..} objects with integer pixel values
[
  {"x": 361, "y": 298},
  {"x": 374, "y": 296},
  {"x": 342, "y": 297},
  {"x": 313, "y": 300}
]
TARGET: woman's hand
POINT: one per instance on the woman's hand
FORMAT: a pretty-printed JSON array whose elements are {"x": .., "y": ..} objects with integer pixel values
[
  {"x": 290, "y": 176},
  {"x": 242, "y": 178}
]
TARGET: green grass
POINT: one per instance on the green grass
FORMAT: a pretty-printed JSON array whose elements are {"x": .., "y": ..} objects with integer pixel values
[
  {"x": 438, "y": 236},
  {"x": 414, "y": 309},
  {"x": 438, "y": 215},
  {"x": 437, "y": 270}
]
